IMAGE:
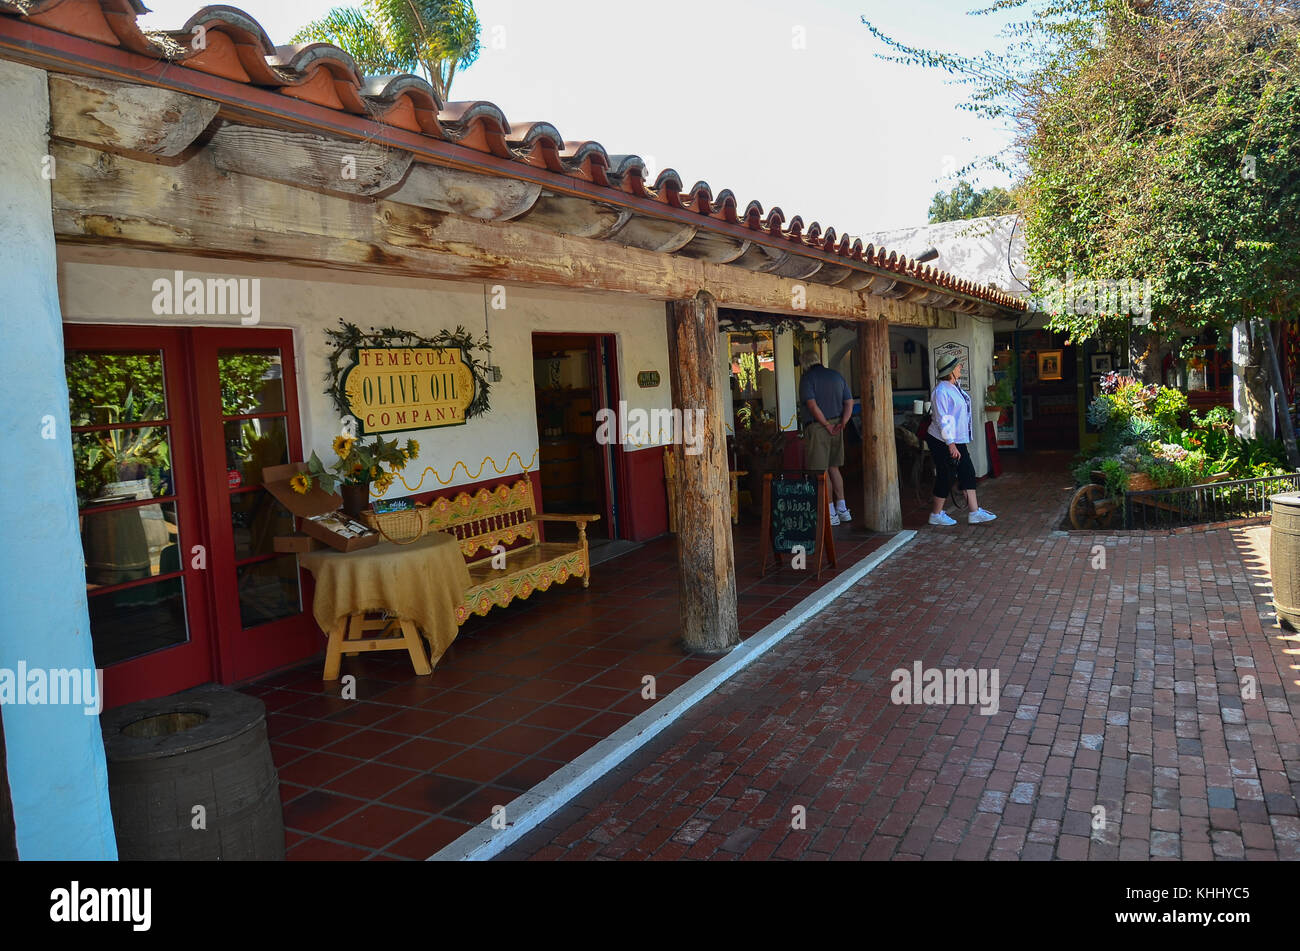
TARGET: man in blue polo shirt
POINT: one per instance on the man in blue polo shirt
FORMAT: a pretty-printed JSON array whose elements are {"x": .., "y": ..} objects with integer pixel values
[{"x": 824, "y": 396}]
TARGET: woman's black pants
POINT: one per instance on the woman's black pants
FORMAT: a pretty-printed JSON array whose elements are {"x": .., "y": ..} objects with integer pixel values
[{"x": 944, "y": 467}]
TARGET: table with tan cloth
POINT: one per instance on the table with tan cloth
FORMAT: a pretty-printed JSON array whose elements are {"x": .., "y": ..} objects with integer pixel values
[{"x": 420, "y": 584}]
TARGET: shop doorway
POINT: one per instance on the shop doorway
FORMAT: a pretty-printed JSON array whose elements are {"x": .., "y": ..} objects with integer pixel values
[
  {"x": 574, "y": 376},
  {"x": 171, "y": 429}
]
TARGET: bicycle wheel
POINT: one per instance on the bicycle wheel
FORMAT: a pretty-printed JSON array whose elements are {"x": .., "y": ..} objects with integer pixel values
[
  {"x": 958, "y": 497},
  {"x": 925, "y": 480}
]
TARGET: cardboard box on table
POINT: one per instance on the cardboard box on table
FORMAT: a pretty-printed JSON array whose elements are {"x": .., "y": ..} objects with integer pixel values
[{"x": 315, "y": 501}]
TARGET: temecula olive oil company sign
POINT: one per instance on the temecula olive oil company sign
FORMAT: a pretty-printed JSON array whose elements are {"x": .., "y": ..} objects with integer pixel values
[{"x": 399, "y": 388}]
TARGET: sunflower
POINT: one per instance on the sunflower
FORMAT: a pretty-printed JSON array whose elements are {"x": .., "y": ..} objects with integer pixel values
[
  {"x": 343, "y": 446},
  {"x": 301, "y": 483},
  {"x": 375, "y": 472},
  {"x": 412, "y": 448},
  {"x": 384, "y": 481}
]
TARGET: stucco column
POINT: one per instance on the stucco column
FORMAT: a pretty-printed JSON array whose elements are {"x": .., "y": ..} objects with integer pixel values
[{"x": 57, "y": 774}]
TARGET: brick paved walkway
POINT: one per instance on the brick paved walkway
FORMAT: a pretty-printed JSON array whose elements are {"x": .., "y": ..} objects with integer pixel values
[{"x": 1121, "y": 688}]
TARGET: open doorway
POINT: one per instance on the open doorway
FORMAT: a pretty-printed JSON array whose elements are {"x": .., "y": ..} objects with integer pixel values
[{"x": 574, "y": 376}]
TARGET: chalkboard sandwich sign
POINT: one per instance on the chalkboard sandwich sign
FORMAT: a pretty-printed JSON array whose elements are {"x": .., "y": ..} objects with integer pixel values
[{"x": 796, "y": 520}]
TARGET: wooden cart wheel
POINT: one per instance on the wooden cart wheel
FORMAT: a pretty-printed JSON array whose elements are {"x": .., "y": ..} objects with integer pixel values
[{"x": 1091, "y": 508}]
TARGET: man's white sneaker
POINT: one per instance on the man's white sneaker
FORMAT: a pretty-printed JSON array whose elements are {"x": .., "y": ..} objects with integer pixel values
[
  {"x": 835, "y": 518},
  {"x": 979, "y": 515},
  {"x": 943, "y": 518},
  {"x": 843, "y": 513}
]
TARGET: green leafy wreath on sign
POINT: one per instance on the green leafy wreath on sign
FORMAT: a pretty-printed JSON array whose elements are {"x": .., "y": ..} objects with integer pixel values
[{"x": 345, "y": 341}]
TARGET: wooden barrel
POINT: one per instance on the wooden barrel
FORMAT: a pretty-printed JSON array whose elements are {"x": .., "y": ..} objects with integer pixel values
[
  {"x": 190, "y": 776},
  {"x": 1284, "y": 557}
]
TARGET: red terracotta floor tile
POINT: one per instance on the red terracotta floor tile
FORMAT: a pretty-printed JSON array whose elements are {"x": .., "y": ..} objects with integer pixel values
[
  {"x": 316, "y": 769},
  {"x": 543, "y": 690},
  {"x": 478, "y": 764},
  {"x": 313, "y": 811},
  {"x": 508, "y": 709},
  {"x": 520, "y": 738},
  {"x": 421, "y": 754},
  {"x": 317, "y": 734},
  {"x": 430, "y": 793},
  {"x": 557, "y": 717},
  {"x": 414, "y": 722},
  {"x": 370, "y": 780},
  {"x": 367, "y": 744},
  {"x": 524, "y": 776},
  {"x": 429, "y": 838},
  {"x": 318, "y": 850},
  {"x": 375, "y": 826},
  {"x": 465, "y": 729}
]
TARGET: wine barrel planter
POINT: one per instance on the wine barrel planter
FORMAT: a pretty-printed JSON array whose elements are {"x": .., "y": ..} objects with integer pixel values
[
  {"x": 204, "y": 747},
  {"x": 1284, "y": 557}
]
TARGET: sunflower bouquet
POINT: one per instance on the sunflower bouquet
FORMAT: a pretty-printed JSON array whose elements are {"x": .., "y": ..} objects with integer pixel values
[{"x": 358, "y": 463}]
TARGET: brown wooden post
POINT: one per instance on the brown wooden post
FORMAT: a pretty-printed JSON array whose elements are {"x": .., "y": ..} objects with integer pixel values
[
  {"x": 705, "y": 560},
  {"x": 881, "y": 510}
]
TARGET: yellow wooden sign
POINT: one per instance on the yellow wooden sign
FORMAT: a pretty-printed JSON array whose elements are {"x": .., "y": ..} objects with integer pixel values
[{"x": 394, "y": 389}]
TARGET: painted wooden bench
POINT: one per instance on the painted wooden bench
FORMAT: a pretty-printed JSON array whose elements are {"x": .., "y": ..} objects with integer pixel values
[{"x": 504, "y": 516}]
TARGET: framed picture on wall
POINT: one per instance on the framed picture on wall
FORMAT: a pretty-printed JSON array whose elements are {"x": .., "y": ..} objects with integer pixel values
[
  {"x": 1049, "y": 364},
  {"x": 1102, "y": 362}
]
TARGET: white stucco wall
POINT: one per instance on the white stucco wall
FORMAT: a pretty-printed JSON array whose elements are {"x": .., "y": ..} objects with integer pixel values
[
  {"x": 978, "y": 336},
  {"x": 107, "y": 286}
]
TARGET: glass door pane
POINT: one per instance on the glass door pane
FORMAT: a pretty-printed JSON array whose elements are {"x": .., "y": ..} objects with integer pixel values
[
  {"x": 255, "y": 431},
  {"x": 138, "y": 508},
  {"x": 128, "y": 504}
]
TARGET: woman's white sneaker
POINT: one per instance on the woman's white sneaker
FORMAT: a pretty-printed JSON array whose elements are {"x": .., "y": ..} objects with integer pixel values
[
  {"x": 943, "y": 518},
  {"x": 979, "y": 515}
]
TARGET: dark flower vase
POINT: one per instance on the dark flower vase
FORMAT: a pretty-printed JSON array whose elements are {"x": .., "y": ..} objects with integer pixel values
[{"x": 356, "y": 498}]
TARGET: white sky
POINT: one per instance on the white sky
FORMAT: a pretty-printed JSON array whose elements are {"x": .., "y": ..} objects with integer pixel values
[{"x": 718, "y": 90}]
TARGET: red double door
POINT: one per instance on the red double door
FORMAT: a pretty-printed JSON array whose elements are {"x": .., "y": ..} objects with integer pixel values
[{"x": 171, "y": 428}]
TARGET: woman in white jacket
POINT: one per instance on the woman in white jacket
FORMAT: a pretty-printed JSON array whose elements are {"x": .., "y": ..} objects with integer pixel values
[{"x": 950, "y": 419}]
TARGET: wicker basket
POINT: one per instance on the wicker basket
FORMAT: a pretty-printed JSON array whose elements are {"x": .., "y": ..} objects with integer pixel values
[
  {"x": 401, "y": 528},
  {"x": 1141, "y": 482}
]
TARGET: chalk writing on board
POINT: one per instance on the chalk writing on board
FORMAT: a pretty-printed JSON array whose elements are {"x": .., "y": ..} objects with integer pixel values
[{"x": 794, "y": 514}]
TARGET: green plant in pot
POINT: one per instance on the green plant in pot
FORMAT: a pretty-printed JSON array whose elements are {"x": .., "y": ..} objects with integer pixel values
[
  {"x": 760, "y": 448},
  {"x": 357, "y": 466}
]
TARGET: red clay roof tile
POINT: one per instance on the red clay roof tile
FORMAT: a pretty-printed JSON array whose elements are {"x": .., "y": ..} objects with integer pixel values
[{"x": 234, "y": 46}]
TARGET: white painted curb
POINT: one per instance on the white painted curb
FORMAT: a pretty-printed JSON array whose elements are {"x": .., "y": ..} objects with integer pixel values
[{"x": 546, "y": 798}]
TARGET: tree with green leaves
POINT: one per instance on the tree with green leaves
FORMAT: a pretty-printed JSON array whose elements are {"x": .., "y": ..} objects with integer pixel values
[
  {"x": 430, "y": 37},
  {"x": 1155, "y": 140},
  {"x": 963, "y": 202}
]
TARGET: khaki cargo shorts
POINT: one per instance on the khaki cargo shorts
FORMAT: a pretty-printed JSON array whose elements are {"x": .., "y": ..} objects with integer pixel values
[{"x": 821, "y": 449}]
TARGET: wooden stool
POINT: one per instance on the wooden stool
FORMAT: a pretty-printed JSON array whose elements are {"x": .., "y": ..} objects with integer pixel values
[{"x": 350, "y": 636}]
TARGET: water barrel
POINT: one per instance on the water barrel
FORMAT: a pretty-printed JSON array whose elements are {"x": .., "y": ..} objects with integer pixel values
[
  {"x": 205, "y": 747},
  {"x": 1284, "y": 557}
]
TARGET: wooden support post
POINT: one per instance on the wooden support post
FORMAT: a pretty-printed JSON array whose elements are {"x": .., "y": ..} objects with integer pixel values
[
  {"x": 881, "y": 510},
  {"x": 705, "y": 558}
]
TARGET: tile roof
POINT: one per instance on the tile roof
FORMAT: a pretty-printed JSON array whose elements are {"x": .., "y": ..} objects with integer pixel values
[{"x": 236, "y": 48}]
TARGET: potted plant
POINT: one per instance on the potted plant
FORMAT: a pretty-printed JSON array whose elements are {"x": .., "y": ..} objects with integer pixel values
[
  {"x": 1002, "y": 393},
  {"x": 357, "y": 466},
  {"x": 760, "y": 448}
]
